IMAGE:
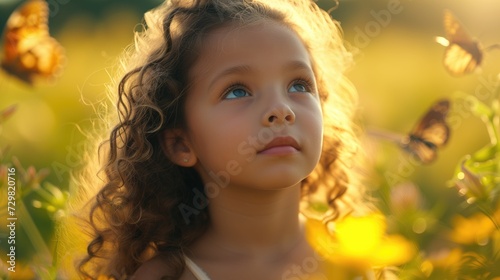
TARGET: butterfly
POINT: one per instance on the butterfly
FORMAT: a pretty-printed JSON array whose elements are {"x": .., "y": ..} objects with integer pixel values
[
  {"x": 29, "y": 51},
  {"x": 430, "y": 133},
  {"x": 463, "y": 54},
  {"x": 424, "y": 140}
]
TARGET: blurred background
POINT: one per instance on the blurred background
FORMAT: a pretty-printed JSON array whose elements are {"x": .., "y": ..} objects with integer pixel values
[{"x": 398, "y": 71}]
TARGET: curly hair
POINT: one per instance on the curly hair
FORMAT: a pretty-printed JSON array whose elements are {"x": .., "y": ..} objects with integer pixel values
[{"x": 134, "y": 214}]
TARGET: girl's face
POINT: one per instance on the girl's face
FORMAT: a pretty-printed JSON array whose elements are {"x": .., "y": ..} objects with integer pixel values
[{"x": 253, "y": 113}]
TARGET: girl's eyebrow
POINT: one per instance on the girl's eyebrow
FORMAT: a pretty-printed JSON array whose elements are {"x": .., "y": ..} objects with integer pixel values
[
  {"x": 297, "y": 65},
  {"x": 239, "y": 69},
  {"x": 292, "y": 65}
]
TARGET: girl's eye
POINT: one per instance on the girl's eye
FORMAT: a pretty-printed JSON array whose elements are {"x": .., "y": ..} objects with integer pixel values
[
  {"x": 300, "y": 86},
  {"x": 236, "y": 93}
]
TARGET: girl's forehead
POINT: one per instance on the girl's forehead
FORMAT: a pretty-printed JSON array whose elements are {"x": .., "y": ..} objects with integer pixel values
[
  {"x": 231, "y": 30},
  {"x": 233, "y": 43}
]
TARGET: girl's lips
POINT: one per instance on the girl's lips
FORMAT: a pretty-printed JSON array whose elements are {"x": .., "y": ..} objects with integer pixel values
[
  {"x": 279, "y": 150},
  {"x": 281, "y": 145}
]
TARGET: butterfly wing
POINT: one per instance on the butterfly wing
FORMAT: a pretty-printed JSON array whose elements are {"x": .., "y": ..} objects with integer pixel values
[
  {"x": 429, "y": 134},
  {"x": 423, "y": 151},
  {"x": 463, "y": 54},
  {"x": 453, "y": 28},
  {"x": 29, "y": 51},
  {"x": 459, "y": 61}
]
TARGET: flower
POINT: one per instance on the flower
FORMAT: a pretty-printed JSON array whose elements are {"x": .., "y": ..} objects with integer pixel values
[
  {"x": 476, "y": 229},
  {"x": 470, "y": 185},
  {"x": 359, "y": 242}
]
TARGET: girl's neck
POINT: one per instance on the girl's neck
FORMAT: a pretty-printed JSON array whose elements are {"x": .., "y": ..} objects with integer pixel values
[{"x": 254, "y": 223}]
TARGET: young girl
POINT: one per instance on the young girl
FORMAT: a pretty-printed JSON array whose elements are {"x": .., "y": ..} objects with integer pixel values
[{"x": 231, "y": 114}]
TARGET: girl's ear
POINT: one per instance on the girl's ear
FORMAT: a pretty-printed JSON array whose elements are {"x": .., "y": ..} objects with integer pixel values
[{"x": 177, "y": 148}]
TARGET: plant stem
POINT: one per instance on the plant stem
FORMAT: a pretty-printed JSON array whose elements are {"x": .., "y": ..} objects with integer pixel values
[{"x": 34, "y": 234}]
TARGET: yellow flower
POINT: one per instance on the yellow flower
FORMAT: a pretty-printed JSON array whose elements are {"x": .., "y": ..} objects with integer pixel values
[
  {"x": 359, "y": 242},
  {"x": 22, "y": 271},
  {"x": 475, "y": 229}
]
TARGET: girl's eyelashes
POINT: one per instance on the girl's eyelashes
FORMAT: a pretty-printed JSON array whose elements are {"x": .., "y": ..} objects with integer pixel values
[
  {"x": 302, "y": 85},
  {"x": 237, "y": 90}
]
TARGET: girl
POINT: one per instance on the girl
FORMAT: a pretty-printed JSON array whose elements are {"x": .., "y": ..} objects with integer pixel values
[{"x": 231, "y": 114}]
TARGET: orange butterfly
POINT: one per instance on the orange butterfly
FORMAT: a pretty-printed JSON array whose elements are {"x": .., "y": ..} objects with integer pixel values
[
  {"x": 430, "y": 133},
  {"x": 463, "y": 53},
  {"x": 29, "y": 51}
]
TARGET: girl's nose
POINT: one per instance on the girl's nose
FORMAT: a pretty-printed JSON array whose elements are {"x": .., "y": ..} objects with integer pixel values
[{"x": 279, "y": 114}]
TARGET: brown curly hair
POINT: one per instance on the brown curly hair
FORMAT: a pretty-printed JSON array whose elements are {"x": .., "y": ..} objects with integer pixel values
[{"x": 135, "y": 215}]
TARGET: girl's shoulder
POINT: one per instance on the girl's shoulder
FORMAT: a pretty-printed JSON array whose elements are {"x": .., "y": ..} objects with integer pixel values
[{"x": 156, "y": 268}]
